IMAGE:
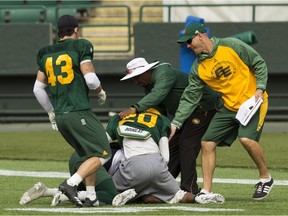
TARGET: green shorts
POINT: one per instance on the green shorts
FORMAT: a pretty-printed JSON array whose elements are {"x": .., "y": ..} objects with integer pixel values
[
  {"x": 104, "y": 187},
  {"x": 225, "y": 128},
  {"x": 85, "y": 133}
]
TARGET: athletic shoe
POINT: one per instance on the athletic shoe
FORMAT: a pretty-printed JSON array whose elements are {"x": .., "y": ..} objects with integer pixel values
[
  {"x": 205, "y": 198},
  {"x": 56, "y": 198},
  {"x": 38, "y": 190},
  {"x": 71, "y": 193},
  {"x": 178, "y": 196},
  {"x": 124, "y": 197},
  {"x": 93, "y": 203},
  {"x": 262, "y": 189}
]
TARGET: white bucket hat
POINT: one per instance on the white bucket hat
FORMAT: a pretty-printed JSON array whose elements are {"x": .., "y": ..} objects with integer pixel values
[{"x": 136, "y": 67}]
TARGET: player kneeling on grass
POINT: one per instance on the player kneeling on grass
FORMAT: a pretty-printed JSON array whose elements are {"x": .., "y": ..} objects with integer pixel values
[
  {"x": 142, "y": 172},
  {"x": 105, "y": 188},
  {"x": 139, "y": 170}
]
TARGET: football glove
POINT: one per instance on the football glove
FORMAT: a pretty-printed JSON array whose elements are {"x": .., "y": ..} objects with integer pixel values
[
  {"x": 102, "y": 97},
  {"x": 51, "y": 115}
]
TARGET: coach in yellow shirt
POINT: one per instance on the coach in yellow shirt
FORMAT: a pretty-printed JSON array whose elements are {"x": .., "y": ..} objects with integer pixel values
[{"x": 235, "y": 70}]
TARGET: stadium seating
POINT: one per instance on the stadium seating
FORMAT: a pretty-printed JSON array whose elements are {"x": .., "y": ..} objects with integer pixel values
[
  {"x": 23, "y": 14},
  {"x": 41, "y": 11}
]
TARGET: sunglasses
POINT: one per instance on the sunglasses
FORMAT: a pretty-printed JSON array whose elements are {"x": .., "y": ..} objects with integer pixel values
[{"x": 190, "y": 40}]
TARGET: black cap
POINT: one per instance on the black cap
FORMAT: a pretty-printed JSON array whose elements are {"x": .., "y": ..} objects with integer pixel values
[{"x": 66, "y": 22}]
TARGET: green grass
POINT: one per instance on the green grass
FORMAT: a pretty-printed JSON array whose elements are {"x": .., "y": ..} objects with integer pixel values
[{"x": 47, "y": 151}]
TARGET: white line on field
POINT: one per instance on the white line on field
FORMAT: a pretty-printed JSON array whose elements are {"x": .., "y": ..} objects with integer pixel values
[
  {"x": 123, "y": 209},
  {"x": 66, "y": 175},
  {"x": 34, "y": 174}
]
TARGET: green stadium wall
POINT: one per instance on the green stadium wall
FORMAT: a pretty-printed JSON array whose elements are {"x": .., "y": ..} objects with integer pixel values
[{"x": 20, "y": 43}]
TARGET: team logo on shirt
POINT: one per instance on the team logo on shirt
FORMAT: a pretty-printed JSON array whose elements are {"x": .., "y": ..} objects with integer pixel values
[
  {"x": 195, "y": 121},
  {"x": 223, "y": 70},
  {"x": 83, "y": 121}
]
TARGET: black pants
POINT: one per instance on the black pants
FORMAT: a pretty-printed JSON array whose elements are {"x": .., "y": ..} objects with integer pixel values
[{"x": 184, "y": 149}]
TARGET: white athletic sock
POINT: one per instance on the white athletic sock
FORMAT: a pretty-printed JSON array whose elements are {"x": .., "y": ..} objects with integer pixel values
[
  {"x": 74, "y": 180},
  {"x": 266, "y": 179},
  {"x": 63, "y": 198},
  {"x": 50, "y": 192},
  {"x": 90, "y": 192},
  {"x": 204, "y": 191},
  {"x": 82, "y": 195}
]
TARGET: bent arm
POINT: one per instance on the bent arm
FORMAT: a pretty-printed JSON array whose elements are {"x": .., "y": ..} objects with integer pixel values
[
  {"x": 40, "y": 93},
  {"x": 92, "y": 80},
  {"x": 164, "y": 148}
]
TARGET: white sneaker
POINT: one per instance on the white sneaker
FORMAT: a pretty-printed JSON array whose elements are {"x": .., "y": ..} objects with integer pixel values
[
  {"x": 38, "y": 190},
  {"x": 124, "y": 197},
  {"x": 205, "y": 198},
  {"x": 178, "y": 197},
  {"x": 56, "y": 198}
]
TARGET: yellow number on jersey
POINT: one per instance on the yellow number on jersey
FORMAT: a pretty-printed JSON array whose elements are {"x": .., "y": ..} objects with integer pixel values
[
  {"x": 140, "y": 119},
  {"x": 151, "y": 123},
  {"x": 67, "y": 73}
]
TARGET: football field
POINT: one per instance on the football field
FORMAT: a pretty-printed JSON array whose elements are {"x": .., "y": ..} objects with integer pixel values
[{"x": 28, "y": 156}]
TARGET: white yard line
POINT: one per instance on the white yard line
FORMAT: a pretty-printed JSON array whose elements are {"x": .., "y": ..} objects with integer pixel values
[
  {"x": 66, "y": 175},
  {"x": 124, "y": 209}
]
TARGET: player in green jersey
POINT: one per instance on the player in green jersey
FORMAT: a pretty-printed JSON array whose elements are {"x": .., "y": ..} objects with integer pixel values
[
  {"x": 164, "y": 85},
  {"x": 143, "y": 171},
  {"x": 66, "y": 68},
  {"x": 104, "y": 187}
]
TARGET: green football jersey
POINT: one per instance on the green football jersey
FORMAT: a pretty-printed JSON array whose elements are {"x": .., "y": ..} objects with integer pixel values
[
  {"x": 146, "y": 122},
  {"x": 61, "y": 64}
]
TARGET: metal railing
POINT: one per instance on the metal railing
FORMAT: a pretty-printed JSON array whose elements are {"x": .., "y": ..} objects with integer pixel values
[
  {"x": 127, "y": 25},
  {"x": 169, "y": 7},
  {"x": 275, "y": 113},
  {"x": 35, "y": 113}
]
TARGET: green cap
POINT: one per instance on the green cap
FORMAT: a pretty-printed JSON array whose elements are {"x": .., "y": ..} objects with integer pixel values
[{"x": 190, "y": 31}]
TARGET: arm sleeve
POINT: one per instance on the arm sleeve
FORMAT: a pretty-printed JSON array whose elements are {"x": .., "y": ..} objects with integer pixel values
[
  {"x": 190, "y": 98},
  {"x": 164, "y": 148},
  {"x": 163, "y": 124},
  {"x": 254, "y": 60},
  {"x": 92, "y": 81},
  {"x": 109, "y": 138},
  {"x": 86, "y": 50},
  {"x": 111, "y": 128},
  {"x": 42, "y": 96}
]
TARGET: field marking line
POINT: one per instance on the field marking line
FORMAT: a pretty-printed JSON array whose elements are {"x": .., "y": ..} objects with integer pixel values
[
  {"x": 66, "y": 175},
  {"x": 131, "y": 209}
]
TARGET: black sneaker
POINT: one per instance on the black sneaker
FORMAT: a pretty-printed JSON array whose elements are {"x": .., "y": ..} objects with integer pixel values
[
  {"x": 71, "y": 193},
  {"x": 93, "y": 203},
  {"x": 262, "y": 189}
]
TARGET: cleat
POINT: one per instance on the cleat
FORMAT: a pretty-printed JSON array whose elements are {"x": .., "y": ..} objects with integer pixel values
[
  {"x": 56, "y": 198},
  {"x": 124, "y": 197},
  {"x": 262, "y": 190},
  {"x": 38, "y": 190},
  {"x": 71, "y": 193},
  {"x": 178, "y": 196},
  {"x": 205, "y": 198},
  {"x": 93, "y": 203}
]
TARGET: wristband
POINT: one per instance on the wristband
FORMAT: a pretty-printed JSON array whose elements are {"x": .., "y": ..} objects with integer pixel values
[
  {"x": 261, "y": 90},
  {"x": 134, "y": 109}
]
